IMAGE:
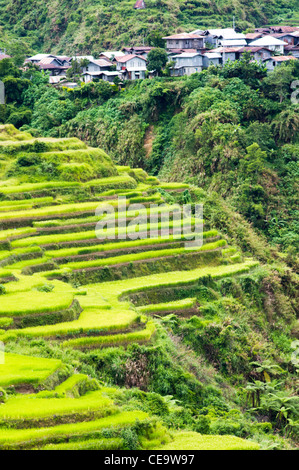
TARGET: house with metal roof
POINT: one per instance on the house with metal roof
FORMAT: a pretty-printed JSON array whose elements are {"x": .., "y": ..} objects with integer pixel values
[
  {"x": 3, "y": 55},
  {"x": 185, "y": 41},
  {"x": 106, "y": 75},
  {"x": 226, "y": 37},
  {"x": 212, "y": 58},
  {"x": 97, "y": 65},
  {"x": 140, "y": 5},
  {"x": 270, "y": 42},
  {"x": 188, "y": 63},
  {"x": 131, "y": 66},
  {"x": 272, "y": 62}
]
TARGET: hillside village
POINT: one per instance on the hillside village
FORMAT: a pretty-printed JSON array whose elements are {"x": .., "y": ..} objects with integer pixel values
[{"x": 188, "y": 53}]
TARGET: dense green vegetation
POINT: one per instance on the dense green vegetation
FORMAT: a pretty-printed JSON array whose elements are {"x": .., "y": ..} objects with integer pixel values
[
  {"x": 137, "y": 344},
  {"x": 70, "y": 26},
  {"x": 237, "y": 122}
]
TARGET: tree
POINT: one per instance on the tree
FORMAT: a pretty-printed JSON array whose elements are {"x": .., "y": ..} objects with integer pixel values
[
  {"x": 157, "y": 59},
  {"x": 267, "y": 369},
  {"x": 277, "y": 83},
  {"x": 154, "y": 39},
  {"x": 75, "y": 70},
  {"x": 251, "y": 72},
  {"x": 8, "y": 68},
  {"x": 286, "y": 125}
]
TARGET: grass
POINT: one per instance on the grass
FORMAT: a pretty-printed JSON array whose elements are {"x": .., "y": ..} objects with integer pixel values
[
  {"x": 91, "y": 319},
  {"x": 27, "y": 303},
  {"x": 112, "y": 233},
  {"x": 120, "y": 316},
  {"x": 66, "y": 252},
  {"x": 88, "y": 444},
  {"x": 113, "y": 340},
  {"x": 174, "y": 306},
  {"x": 19, "y": 369},
  {"x": 20, "y": 438},
  {"x": 145, "y": 255},
  {"x": 33, "y": 408},
  {"x": 195, "y": 441},
  {"x": 33, "y": 187}
]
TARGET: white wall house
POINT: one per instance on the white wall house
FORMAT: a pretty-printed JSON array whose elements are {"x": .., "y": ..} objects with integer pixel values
[
  {"x": 212, "y": 58},
  {"x": 226, "y": 37},
  {"x": 188, "y": 63},
  {"x": 132, "y": 67},
  {"x": 274, "y": 44},
  {"x": 98, "y": 65}
]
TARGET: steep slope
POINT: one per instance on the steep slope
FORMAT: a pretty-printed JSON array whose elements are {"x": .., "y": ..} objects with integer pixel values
[
  {"x": 71, "y": 26},
  {"x": 118, "y": 317}
]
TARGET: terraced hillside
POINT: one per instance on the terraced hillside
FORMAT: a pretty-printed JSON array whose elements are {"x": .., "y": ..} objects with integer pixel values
[{"x": 65, "y": 289}]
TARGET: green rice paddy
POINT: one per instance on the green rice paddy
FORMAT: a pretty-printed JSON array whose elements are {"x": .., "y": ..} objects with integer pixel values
[{"x": 42, "y": 246}]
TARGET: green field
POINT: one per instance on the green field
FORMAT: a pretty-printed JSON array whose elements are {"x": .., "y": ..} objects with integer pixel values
[{"x": 65, "y": 296}]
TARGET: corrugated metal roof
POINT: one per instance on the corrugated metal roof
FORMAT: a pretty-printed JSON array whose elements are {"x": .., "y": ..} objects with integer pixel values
[
  {"x": 184, "y": 36},
  {"x": 129, "y": 57},
  {"x": 268, "y": 41},
  {"x": 282, "y": 58}
]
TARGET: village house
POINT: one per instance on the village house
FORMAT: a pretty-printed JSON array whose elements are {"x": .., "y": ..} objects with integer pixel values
[
  {"x": 52, "y": 65},
  {"x": 97, "y": 65},
  {"x": 140, "y": 5},
  {"x": 110, "y": 55},
  {"x": 131, "y": 66},
  {"x": 257, "y": 53},
  {"x": 35, "y": 59},
  {"x": 293, "y": 50},
  {"x": 185, "y": 41},
  {"x": 226, "y": 37},
  {"x": 138, "y": 50},
  {"x": 289, "y": 38},
  {"x": 212, "y": 58},
  {"x": 277, "y": 29},
  {"x": 252, "y": 37},
  {"x": 107, "y": 76},
  {"x": 188, "y": 63},
  {"x": 270, "y": 42},
  {"x": 3, "y": 55},
  {"x": 228, "y": 53},
  {"x": 272, "y": 62}
]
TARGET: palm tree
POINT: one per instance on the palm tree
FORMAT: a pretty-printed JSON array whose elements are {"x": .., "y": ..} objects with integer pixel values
[
  {"x": 254, "y": 391},
  {"x": 267, "y": 369},
  {"x": 286, "y": 125}
]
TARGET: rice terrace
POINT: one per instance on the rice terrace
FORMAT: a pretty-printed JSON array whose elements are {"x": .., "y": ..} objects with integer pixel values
[
  {"x": 66, "y": 297},
  {"x": 84, "y": 321}
]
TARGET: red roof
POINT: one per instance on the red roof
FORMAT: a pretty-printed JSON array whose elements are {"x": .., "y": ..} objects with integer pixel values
[
  {"x": 4, "y": 56},
  {"x": 253, "y": 35},
  {"x": 283, "y": 58},
  {"x": 278, "y": 29},
  {"x": 101, "y": 62},
  {"x": 139, "y": 4},
  {"x": 254, "y": 49},
  {"x": 125, "y": 58}
]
